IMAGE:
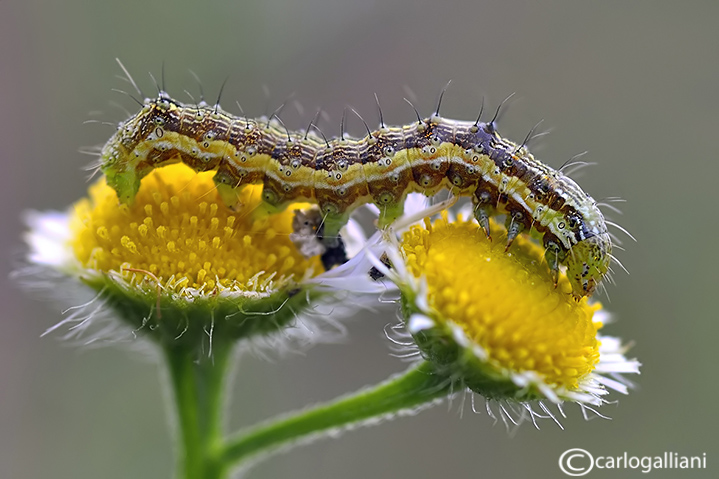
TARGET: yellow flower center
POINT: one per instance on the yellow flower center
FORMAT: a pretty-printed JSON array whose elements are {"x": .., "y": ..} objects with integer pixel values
[
  {"x": 178, "y": 233},
  {"x": 505, "y": 302}
]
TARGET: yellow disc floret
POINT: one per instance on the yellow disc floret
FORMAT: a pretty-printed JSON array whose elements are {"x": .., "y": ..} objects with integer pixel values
[
  {"x": 179, "y": 233},
  {"x": 505, "y": 302}
]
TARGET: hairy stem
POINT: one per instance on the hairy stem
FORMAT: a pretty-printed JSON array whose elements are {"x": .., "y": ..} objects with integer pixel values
[
  {"x": 197, "y": 382},
  {"x": 416, "y": 387}
]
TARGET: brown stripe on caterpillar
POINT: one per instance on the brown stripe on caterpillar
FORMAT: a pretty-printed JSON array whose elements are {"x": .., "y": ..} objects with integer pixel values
[{"x": 340, "y": 174}]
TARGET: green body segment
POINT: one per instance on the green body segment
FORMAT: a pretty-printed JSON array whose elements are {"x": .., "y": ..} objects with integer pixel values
[{"x": 339, "y": 175}]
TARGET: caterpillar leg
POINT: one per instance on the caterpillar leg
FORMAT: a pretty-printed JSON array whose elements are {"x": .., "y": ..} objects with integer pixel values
[
  {"x": 125, "y": 183},
  {"x": 229, "y": 195},
  {"x": 388, "y": 211},
  {"x": 555, "y": 255},
  {"x": 332, "y": 222},
  {"x": 515, "y": 225},
  {"x": 228, "y": 187},
  {"x": 483, "y": 209}
]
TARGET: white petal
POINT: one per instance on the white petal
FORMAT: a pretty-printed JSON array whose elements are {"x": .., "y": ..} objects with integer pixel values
[
  {"x": 624, "y": 366},
  {"x": 420, "y": 322},
  {"x": 48, "y": 238},
  {"x": 415, "y": 203},
  {"x": 353, "y": 237},
  {"x": 611, "y": 383}
]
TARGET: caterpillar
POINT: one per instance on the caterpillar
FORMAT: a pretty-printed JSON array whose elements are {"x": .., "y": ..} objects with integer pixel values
[{"x": 340, "y": 174}]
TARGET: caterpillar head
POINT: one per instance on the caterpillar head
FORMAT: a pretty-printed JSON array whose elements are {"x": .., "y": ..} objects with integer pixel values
[
  {"x": 121, "y": 159},
  {"x": 588, "y": 263}
]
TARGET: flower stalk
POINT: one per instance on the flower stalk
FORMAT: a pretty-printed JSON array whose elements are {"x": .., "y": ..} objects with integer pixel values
[
  {"x": 197, "y": 386},
  {"x": 405, "y": 393}
]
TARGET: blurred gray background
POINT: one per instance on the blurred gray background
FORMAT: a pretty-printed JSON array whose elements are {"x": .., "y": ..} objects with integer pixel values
[{"x": 635, "y": 83}]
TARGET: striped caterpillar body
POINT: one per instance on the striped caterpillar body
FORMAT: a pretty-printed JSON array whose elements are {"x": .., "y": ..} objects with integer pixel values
[{"x": 340, "y": 174}]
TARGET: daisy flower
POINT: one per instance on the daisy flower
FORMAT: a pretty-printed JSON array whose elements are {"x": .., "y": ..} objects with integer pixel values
[
  {"x": 493, "y": 322},
  {"x": 178, "y": 264}
]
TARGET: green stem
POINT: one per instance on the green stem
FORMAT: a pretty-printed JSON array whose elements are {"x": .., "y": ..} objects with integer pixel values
[
  {"x": 197, "y": 382},
  {"x": 416, "y": 387}
]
